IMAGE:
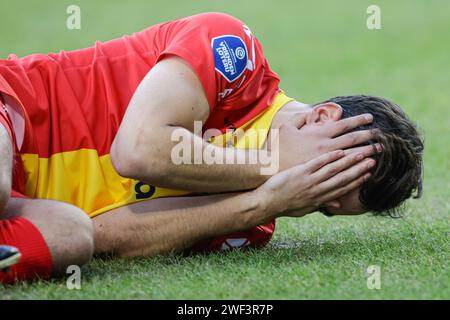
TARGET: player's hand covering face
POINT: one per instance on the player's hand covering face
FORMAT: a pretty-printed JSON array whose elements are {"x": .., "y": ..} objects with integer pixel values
[
  {"x": 305, "y": 188},
  {"x": 318, "y": 130}
]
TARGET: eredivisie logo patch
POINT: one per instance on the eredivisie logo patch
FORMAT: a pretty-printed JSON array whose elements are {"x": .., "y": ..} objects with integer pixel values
[{"x": 230, "y": 56}]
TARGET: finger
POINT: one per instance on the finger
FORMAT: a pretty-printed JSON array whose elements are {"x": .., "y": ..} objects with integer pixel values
[
  {"x": 345, "y": 177},
  {"x": 366, "y": 151},
  {"x": 298, "y": 120},
  {"x": 339, "y": 192},
  {"x": 353, "y": 138},
  {"x": 345, "y": 125},
  {"x": 317, "y": 163},
  {"x": 332, "y": 204},
  {"x": 332, "y": 169}
]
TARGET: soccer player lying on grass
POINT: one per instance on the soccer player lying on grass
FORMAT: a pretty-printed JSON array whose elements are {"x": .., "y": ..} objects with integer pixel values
[{"x": 93, "y": 130}]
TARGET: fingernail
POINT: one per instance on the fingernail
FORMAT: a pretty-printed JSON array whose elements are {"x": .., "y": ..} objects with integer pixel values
[
  {"x": 367, "y": 176},
  {"x": 378, "y": 147},
  {"x": 371, "y": 164},
  {"x": 368, "y": 117}
]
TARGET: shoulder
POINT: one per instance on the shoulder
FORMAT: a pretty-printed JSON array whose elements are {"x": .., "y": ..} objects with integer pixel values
[
  {"x": 216, "y": 21},
  {"x": 216, "y": 17}
]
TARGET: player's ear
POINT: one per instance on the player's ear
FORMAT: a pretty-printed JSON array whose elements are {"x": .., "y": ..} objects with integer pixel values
[{"x": 324, "y": 112}]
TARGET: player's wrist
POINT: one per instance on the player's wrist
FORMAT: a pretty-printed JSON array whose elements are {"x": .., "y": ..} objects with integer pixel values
[{"x": 264, "y": 208}]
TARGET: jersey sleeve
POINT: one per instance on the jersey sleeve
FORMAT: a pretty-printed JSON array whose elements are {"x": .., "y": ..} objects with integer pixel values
[{"x": 227, "y": 58}]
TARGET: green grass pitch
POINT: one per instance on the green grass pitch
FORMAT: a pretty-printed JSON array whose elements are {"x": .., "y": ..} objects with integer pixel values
[{"x": 320, "y": 49}]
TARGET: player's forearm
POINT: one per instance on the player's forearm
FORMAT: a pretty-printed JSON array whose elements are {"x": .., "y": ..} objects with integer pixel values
[
  {"x": 181, "y": 160},
  {"x": 5, "y": 167},
  {"x": 202, "y": 171},
  {"x": 173, "y": 224}
]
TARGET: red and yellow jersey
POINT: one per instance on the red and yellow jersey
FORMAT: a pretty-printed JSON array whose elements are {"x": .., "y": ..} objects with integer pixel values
[{"x": 70, "y": 104}]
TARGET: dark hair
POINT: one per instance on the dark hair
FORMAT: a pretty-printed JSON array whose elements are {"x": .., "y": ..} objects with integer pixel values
[{"x": 399, "y": 169}]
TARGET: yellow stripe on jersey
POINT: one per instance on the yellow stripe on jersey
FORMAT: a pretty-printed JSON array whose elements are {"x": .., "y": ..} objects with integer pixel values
[
  {"x": 85, "y": 180},
  {"x": 90, "y": 182},
  {"x": 259, "y": 128}
]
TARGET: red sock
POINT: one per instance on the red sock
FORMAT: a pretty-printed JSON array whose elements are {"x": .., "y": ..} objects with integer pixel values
[{"x": 35, "y": 261}]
